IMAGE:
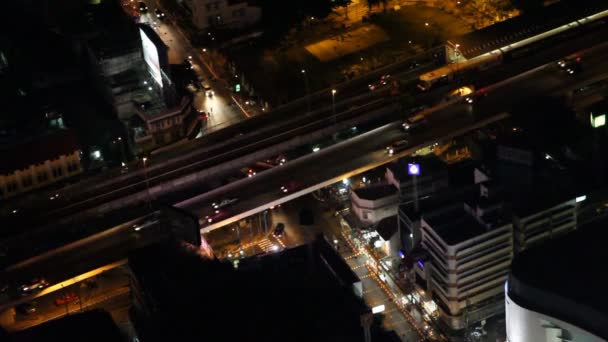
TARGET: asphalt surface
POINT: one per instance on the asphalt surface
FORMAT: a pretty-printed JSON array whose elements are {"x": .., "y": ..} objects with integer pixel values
[{"x": 368, "y": 150}]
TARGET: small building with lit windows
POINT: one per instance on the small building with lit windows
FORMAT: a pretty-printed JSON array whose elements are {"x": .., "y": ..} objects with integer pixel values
[
  {"x": 209, "y": 14},
  {"x": 373, "y": 203},
  {"x": 156, "y": 125},
  {"x": 39, "y": 161}
]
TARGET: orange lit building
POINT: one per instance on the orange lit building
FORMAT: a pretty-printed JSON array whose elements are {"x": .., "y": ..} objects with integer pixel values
[{"x": 38, "y": 162}]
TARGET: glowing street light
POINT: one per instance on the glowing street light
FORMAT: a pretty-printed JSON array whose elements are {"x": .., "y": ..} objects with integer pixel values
[
  {"x": 144, "y": 160},
  {"x": 303, "y": 71},
  {"x": 333, "y": 103}
]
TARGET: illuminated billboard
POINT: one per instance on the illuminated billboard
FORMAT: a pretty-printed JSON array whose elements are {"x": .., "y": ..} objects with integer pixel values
[
  {"x": 413, "y": 169},
  {"x": 598, "y": 120},
  {"x": 151, "y": 57}
]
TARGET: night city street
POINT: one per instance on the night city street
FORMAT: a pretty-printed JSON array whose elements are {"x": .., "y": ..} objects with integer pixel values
[{"x": 306, "y": 170}]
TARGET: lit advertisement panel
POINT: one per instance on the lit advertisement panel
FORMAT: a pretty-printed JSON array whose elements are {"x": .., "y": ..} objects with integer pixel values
[{"x": 151, "y": 57}]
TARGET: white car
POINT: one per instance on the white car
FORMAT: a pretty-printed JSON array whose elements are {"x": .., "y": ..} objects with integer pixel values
[
  {"x": 397, "y": 146},
  {"x": 223, "y": 203}
]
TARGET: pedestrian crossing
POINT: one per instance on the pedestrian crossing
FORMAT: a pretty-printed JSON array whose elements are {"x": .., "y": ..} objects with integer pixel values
[{"x": 266, "y": 245}]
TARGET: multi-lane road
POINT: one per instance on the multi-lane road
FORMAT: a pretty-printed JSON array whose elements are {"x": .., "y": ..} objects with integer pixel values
[{"x": 367, "y": 151}]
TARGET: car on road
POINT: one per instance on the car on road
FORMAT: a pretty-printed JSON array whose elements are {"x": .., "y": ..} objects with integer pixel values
[
  {"x": 143, "y": 8},
  {"x": 571, "y": 65},
  {"x": 217, "y": 215},
  {"x": 33, "y": 286},
  {"x": 414, "y": 122},
  {"x": 290, "y": 187},
  {"x": 397, "y": 146},
  {"x": 249, "y": 171},
  {"x": 26, "y": 308},
  {"x": 208, "y": 90},
  {"x": 66, "y": 298},
  {"x": 224, "y": 202},
  {"x": 279, "y": 230},
  {"x": 466, "y": 93},
  {"x": 159, "y": 14},
  {"x": 188, "y": 64},
  {"x": 384, "y": 80},
  {"x": 203, "y": 116}
]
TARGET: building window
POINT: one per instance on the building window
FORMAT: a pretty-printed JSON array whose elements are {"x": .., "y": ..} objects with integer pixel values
[
  {"x": 73, "y": 166},
  {"x": 26, "y": 181},
  {"x": 57, "y": 172},
  {"x": 11, "y": 186},
  {"x": 42, "y": 176}
]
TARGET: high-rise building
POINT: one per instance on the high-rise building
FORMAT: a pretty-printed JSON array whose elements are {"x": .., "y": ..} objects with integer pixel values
[
  {"x": 469, "y": 246},
  {"x": 555, "y": 292}
]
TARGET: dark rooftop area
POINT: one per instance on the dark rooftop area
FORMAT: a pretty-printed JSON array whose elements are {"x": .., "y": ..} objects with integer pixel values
[
  {"x": 525, "y": 26},
  {"x": 454, "y": 225},
  {"x": 443, "y": 198},
  {"x": 375, "y": 192},
  {"x": 387, "y": 227},
  {"x": 529, "y": 190},
  {"x": 90, "y": 326},
  {"x": 564, "y": 278},
  {"x": 301, "y": 294}
]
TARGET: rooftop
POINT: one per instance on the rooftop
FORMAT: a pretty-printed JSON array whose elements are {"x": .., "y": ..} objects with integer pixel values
[
  {"x": 430, "y": 203},
  {"x": 105, "y": 26},
  {"x": 525, "y": 26},
  {"x": 300, "y": 294},
  {"x": 37, "y": 150},
  {"x": 529, "y": 191},
  {"x": 454, "y": 224},
  {"x": 387, "y": 227},
  {"x": 375, "y": 192},
  {"x": 568, "y": 286}
]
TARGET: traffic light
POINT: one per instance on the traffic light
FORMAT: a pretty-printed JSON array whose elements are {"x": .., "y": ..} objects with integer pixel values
[{"x": 237, "y": 88}]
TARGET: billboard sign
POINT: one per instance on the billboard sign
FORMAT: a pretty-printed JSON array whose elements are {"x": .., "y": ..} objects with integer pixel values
[
  {"x": 413, "y": 169},
  {"x": 151, "y": 57},
  {"x": 598, "y": 121}
]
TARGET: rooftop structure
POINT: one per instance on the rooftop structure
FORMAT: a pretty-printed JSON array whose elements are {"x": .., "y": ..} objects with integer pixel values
[
  {"x": 303, "y": 294},
  {"x": 375, "y": 192},
  {"x": 374, "y": 203},
  {"x": 558, "y": 289}
]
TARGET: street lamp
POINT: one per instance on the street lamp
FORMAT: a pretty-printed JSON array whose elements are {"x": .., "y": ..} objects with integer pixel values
[
  {"x": 144, "y": 160},
  {"x": 333, "y": 103},
  {"x": 122, "y": 151},
  {"x": 307, "y": 88},
  {"x": 457, "y": 54}
]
